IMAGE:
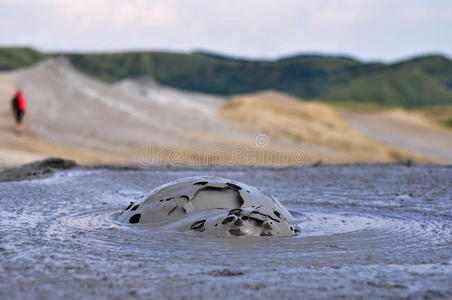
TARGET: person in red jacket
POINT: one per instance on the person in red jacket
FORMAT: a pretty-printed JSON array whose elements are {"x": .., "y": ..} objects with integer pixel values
[{"x": 19, "y": 105}]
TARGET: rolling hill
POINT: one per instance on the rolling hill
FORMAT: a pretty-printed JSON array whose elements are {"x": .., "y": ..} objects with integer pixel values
[
  {"x": 418, "y": 82},
  {"x": 140, "y": 121}
]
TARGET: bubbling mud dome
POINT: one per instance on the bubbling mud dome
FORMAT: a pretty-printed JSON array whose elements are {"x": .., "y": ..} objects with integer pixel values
[{"x": 211, "y": 205}]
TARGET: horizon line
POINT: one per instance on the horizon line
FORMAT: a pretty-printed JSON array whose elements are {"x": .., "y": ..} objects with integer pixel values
[{"x": 232, "y": 56}]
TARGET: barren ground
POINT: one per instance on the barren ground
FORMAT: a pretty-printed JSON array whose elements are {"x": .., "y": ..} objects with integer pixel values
[{"x": 138, "y": 121}]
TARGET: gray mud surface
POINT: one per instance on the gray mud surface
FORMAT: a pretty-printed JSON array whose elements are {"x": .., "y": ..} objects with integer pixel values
[{"x": 367, "y": 231}]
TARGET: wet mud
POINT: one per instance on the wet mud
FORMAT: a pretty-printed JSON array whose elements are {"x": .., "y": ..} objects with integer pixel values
[{"x": 367, "y": 231}]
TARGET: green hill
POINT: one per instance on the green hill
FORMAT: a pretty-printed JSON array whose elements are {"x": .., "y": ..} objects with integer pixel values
[
  {"x": 14, "y": 58},
  {"x": 418, "y": 82}
]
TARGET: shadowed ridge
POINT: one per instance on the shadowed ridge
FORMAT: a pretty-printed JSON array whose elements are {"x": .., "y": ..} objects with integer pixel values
[{"x": 38, "y": 169}]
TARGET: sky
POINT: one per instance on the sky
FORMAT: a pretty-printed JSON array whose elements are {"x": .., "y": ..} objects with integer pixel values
[{"x": 385, "y": 30}]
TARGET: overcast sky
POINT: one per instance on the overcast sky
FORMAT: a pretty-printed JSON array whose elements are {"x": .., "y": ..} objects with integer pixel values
[{"x": 367, "y": 29}]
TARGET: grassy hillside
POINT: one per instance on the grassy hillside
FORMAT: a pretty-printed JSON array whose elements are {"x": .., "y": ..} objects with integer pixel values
[
  {"x": 14, "y": 58},
  {"x": 419, "y": 82}
]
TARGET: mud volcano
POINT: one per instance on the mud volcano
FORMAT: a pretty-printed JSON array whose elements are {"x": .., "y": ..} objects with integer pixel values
[{"x": 211, "y": 205}]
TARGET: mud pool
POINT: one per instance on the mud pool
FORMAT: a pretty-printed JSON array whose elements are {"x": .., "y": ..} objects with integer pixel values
[{"x": 367, "y": 231}]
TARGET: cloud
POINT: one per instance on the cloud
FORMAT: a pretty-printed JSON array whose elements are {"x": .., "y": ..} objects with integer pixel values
[
  {"x": 142, "y": 13},
  {"x": 110, "y": 12},
  {"x": 75, "y": 12},
  {"x": 258, "y": 28}
]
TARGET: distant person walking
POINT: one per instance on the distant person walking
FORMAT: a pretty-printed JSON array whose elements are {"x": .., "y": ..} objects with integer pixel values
[{"x": 19, "y": 106}]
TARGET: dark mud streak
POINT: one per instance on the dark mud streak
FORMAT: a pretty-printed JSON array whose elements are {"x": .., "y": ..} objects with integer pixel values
[
  {"x": 235, "y": 211},
  {"x": 135, "y": 219},
  {"x": 265, "y": 215},
  {"x": 186, "y": 197},
  {"x": 266, "y": 234},
  {"x": 238, "y": 222},
  {"x": 172, "y": 210},
  {"x": 198, "y": 226},
  {"x": 211, "y": 188},
  {"x": 234, "y": 186},
  {"x": 225, "y": 273},
  {"x": 240, "y": 199},
  {"x": 201, "y": 183},
  {"x": 135, "y": 207},
  {"x": 227, "y": 220}
]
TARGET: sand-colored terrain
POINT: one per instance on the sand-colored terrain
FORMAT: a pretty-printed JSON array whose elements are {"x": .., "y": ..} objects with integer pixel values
[
  {"x": 408, "y": 130},
  {"x": 281, "y": 115},
  {"x": 18, "y": 149},
  {"x": 437, "y": 113},
  {"x": 139, "y": 121},
  {"x": 149, "y": 89},
  {"x": 95, "y": 122}
]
